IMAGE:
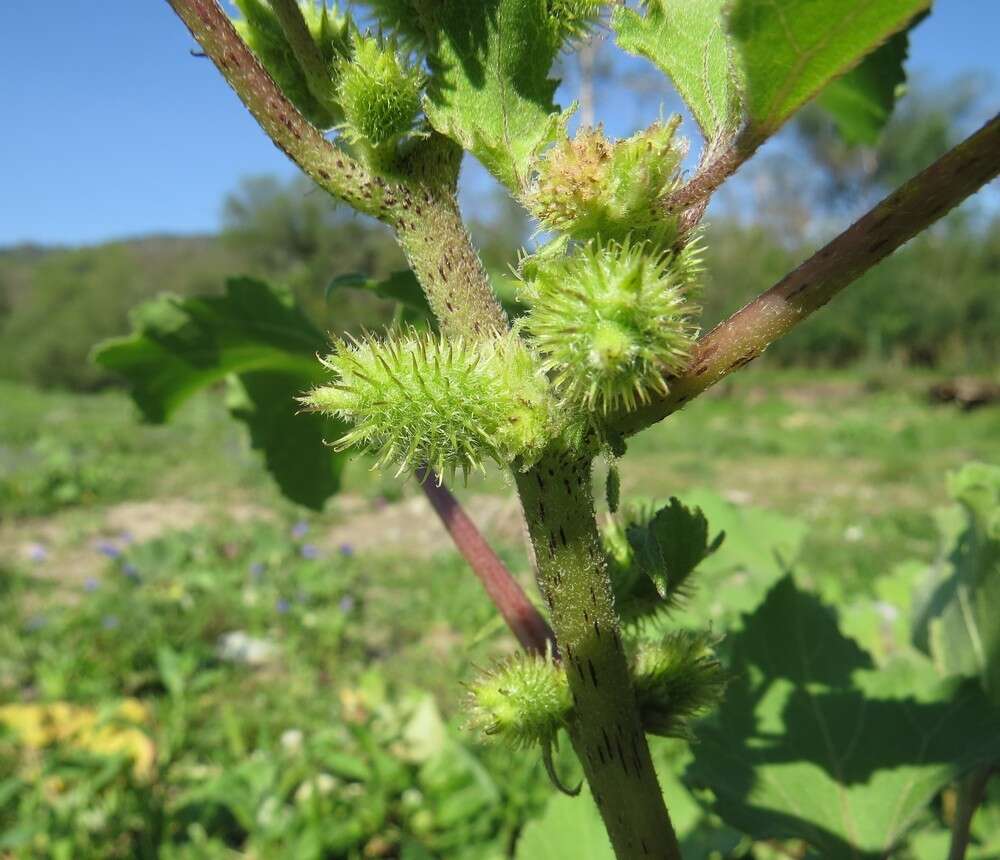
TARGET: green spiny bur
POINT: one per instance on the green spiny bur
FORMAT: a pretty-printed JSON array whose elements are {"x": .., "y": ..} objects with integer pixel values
[
  {"x": 591, "y": 187},
  {"x": 380, "y": 94},
  {"x": 611, "y": 320},
  {"x": 676, "y": 680},
  {"x": 522, "y": 702},
  {"x": 448, "y": 402}
]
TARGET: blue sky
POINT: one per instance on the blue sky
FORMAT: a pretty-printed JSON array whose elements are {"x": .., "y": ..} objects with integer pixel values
[{"x": 111, "y": 128}]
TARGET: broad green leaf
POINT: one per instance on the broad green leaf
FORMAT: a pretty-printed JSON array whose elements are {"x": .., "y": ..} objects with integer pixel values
[
  {"x": 569, "y": 827},
  {"x": 958, "y": 626},
  {"x": 688, "y": 42},
  {"x": 759, "y": 547},
  {"x": 812, "y": 742},
  {"x": 791, "y": 50},
  {"x": 862, "y": 100},
  {"x": 490, "y": 89},
  {"x": 182, "y": 345},
  {"x": 883, "y": 622},
  {"x": 402, "y": 287}
]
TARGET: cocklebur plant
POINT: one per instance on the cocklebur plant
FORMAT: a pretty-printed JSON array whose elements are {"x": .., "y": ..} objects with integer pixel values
[{"x": 379, "y": 111}]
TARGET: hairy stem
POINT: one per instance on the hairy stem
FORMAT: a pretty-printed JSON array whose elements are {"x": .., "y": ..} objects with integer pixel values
[
  {"x": 523, "y": 619},
  {"x": 440, "y": 252},
  {"x": 420, "y": 203},
  {"x": 331, "y": 168},
  {"x": 970, "y": 795},
  {"x": 606, "y": 730},
  {"x": 293, "y": 25},
  {"x": 898, "y": 218}
]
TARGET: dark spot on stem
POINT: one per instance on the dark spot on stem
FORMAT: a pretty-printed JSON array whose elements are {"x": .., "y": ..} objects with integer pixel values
[{"x": 593, "y": 672}]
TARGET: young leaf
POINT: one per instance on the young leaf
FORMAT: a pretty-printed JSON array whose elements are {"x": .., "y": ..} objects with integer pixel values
[
  {"x": 401, "y": 286},
  {"x": 811, "y": 743},
  {"x": 671, "y": 545},
  {"x": 791, "y": 50},
  {"x": 182, "y": 345},
  {"x": 958, "y": 625},
  {"x": 490, "y": 90},
  {"x": 688, "y": 42}
]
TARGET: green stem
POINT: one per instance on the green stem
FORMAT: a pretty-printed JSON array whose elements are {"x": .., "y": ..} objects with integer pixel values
[
  {"x": 307, "y": 53},
  {"x": 971, "y": 791},
  {"x": 909, "y": 210},
  {"x": 606, "y": 730},
  {"x": 430, "y": 230}
]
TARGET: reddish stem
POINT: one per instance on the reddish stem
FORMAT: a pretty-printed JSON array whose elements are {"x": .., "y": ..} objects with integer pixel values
[
  {"x": 912, "y": 208},
  {"x": 524, "y": 620}
]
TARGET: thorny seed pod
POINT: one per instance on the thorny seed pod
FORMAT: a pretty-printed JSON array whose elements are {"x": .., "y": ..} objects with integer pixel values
[
  {"x": 379, "y": 92},
  {"x": 589, "y": 187},
  {"x": 522, "y": 702},
  {"x": 610, "y": 320},
  {"x": 676, "y": 680},
  {"x": 448, "y": 402}
]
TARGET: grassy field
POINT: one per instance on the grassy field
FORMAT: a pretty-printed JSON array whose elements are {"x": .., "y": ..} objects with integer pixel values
[{"x": 191, "y": 667}]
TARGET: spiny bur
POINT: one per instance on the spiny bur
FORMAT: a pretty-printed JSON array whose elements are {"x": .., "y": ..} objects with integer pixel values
[
  {"x": 451, "y": 403},
  {"x": 676, "y": 680},
  {"x": 380, "y": 94},
  {"x": 522, "y": 702},
  {"x": 610, "y": 320},
  {"x": 589, "y": 186}
]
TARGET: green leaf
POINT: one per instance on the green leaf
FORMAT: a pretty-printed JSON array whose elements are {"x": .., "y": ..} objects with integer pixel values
[
  {"x": 688, "y": 42},
  {"x": 402, "y": 287},
  {"x": 958, "y": 624},
  {"x": 490, "y": 91},
  {"x": 569, "y": 827},
  {"x": 760, "y": 546},
  {"x": 671, "y": 545},
  {"x": 182, "y": 345},
  {"x": 813, "y": 743},
  {"x": 791, "y": 50},
  {"x": 862, "y": 100}
]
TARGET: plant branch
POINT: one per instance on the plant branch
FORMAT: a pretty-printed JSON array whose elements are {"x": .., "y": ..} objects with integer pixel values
[
  {"x": 293, "y": 25},
  {"x": 330, "y": 167},
  {"x": 912, "y": 208},
  {"x": 606, "y": 729},
  {"x": 421, "y": 207},
  {"x": 971, "y": 791},
  {"x": 523, "y": 619}
]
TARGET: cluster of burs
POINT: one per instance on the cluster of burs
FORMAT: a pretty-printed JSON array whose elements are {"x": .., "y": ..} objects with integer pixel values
[{"x": 611, "y": 299}]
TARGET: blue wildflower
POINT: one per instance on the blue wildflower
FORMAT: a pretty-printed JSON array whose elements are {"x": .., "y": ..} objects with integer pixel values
[
  {"x": 91, "y": 584},
  {"x": 282, "y": 606},
  {"x": 309, "y": 550},
  {"x": 107, "y": 548},
  {"x": 300, "y": 529},
  {"x": 346, "y": 550}
]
